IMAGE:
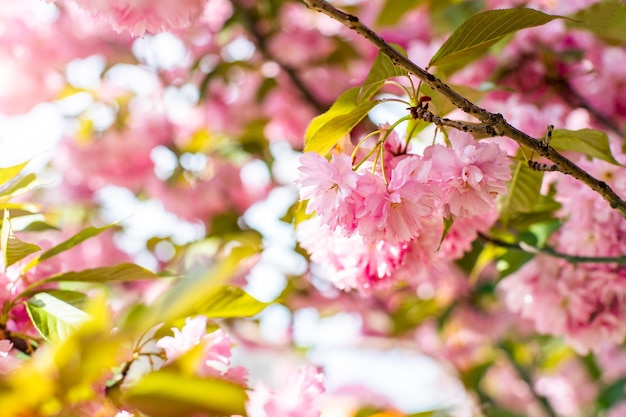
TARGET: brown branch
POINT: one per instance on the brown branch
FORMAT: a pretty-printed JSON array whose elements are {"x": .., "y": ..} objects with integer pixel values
[
  {"x": 573, "y": 98},
  {"x": 251, "y": 21},
  {"x": 548, "y": 251},
  {"x": 494, "y": 120},
  {"x": 476, "y": 129}
]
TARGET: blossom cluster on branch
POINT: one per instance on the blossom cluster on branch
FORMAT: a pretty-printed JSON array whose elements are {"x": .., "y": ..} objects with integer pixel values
[{"x": 449, "y": 178}]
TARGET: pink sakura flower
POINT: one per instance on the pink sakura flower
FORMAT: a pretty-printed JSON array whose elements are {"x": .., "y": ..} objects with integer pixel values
[
  {"x": 141, "y": 16},
  {"x": 472, "y": 174},
  {"x": 349, "y": 262},
  {"x": 299, "y": 397},
  {"x": 8, "y": 362},
  {"x": 185, "y": 339},
  {"x": 570, "y": 390},
  {"x": 217, "y": 346},
  {"x": 591, "y": 227},
  {"x": 329, "y": 186},
  {"x": 394, "y": 213},
  {"x": 583, "y": 303}
]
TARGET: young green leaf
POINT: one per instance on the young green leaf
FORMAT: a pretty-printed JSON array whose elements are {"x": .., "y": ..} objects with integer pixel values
[
  {"x": 393, "y": 11},
  {"x": 612, "y": 394},
  {"x": 68, "y": 244},
  {"x": 120, "y": 272},
  {"x": 12, "y": 248},
  {"x": 605, "y": 19},
  {"x": 228, "y": 301},
  {"x": 8, "y": 173},
  {"x": 327, "y": 129},
  {"x": 55, "y": 314},
  {"x": 382, "y": 69},
  {"x": 24, "y": 184},
  {"x": 191, "y": 295},
  {"x": 484, "y": 29},
  {"x": 166, "y": 393},
  {"x": 593, "y": 143},
  {"x": 17, "y": 250},
  {"x": 523, "y": 192},
  {"x": 447, "y": 225}
]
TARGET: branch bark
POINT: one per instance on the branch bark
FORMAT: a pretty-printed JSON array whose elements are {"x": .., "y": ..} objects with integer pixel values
[{"x": 495, "y": 121}]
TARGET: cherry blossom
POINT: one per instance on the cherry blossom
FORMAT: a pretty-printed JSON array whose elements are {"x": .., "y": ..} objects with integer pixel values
[{"x": 298, "y": 397}]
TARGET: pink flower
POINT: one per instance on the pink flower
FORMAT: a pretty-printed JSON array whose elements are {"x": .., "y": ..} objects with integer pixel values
[
  {"x": 472, "y": 174},
  {"x": 349, "y": 262},
  {"x": 394, "y": 213},
  {"x": 8, "y": 362},
  {"x": 141, "y": 16},
  {"x": 299, "y": 397},
  {"x": 583, "y": 303},
  {"x": 185, "y": 339},
  {"x": 217, "y": 346},
  {"x": 329, "y": 186}
]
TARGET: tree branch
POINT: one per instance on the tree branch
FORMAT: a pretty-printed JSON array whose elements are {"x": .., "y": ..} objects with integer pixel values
[
  {"x": 476, "y": 129},
  {"x": 494, "y": 120},
  {"x": 251, "y": 22},
  {"x": 527, "y": 378},
  {"x": 524, "y": 247}
]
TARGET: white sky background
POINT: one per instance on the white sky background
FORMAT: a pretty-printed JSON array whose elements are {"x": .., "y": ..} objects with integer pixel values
[{"x": 411, "y": 381}]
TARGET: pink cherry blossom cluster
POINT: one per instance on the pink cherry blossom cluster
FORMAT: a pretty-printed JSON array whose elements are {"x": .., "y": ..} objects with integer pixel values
[
  {"x": 139, "y": 17},
  {"x": 444, "y": 182},
  {"x": 375, "y": 224},
  {"x": 585, "y": 302}
]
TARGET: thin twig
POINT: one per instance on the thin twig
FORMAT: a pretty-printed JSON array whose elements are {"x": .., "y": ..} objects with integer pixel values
[
  {"x": 495, "y": 120},
  {"x": 572, "y": 97},
  {"x": 260, "y": 39},
  {"x": 525, "y": 247},
  {"x": 526, "y": 377}
]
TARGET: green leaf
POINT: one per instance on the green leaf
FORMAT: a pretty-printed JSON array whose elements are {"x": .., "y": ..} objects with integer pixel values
[
  {"x": 24, "y": 184},
  {"x": 483, "y": 30},
  {"x": 193, "y": 295},
  {"x": 166, "y": 393},
  {"x": 57, "y": 313},
  {"x": 68, "y": 244},
  {"x": 17, "y": 250},
  {"x": 13, "y": 249},
  {"x": 593, "y": 143},
  {"x": 327, "y": 129},
  {"x": 612, "y": 394},
  {"x": 441, "y": 106},
  {"x": 605, "y": 19},
  {"x": 523, "y": 192},
  {"x": 228, "y": 301},
  {"x": 392, "y": 11},
  {"x": 8, "y": 173},
  {"x": 120, "y": 272},
  {"x": 39, "y": 226},
  {"x": 382, "y": 70},
  {"x": 447, "y": 225}
]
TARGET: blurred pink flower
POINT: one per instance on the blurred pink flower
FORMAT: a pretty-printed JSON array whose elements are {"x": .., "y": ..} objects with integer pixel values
[
  {"x": 141, "y": 16},
  {"x": 217, "y": 349},
  {"x": 298, "y": 397},
  {"x": 8, "y": 362}
]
